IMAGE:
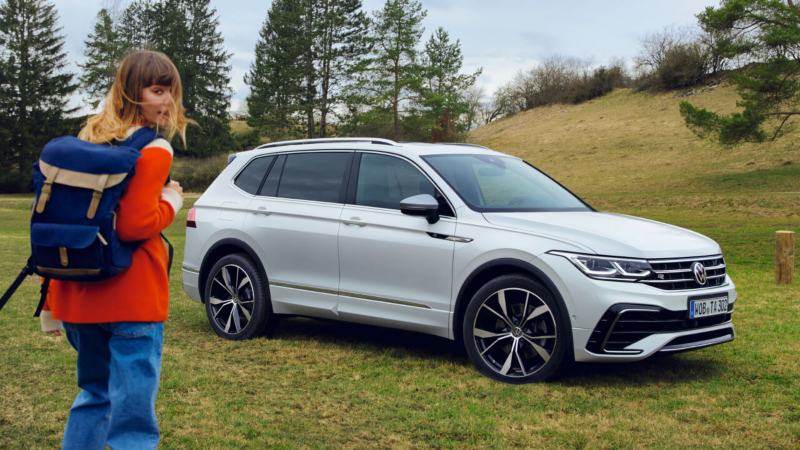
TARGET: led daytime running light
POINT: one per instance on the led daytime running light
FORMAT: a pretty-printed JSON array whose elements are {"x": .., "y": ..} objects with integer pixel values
[{"x": 617, "y": 270}]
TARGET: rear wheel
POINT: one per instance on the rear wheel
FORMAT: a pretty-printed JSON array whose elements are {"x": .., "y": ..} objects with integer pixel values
[
  {"x": 513, "y": 331},
  {"x": 237, "y": 299}
]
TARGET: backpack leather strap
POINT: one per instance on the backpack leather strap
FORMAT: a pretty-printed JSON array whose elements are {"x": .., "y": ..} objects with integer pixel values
[
  {"x": 46, "y": 189},
  {"x": 97, "y": 195}
]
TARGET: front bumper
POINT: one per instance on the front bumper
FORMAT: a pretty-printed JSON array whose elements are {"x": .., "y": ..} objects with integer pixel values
[{"x": 589, "y": 301}]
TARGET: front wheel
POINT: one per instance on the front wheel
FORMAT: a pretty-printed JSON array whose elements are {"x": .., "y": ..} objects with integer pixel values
[
  {"x": 513, "y": 331},
  {"x": 237, "y": 299}
]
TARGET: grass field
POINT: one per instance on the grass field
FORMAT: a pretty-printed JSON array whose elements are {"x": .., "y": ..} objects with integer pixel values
[{"x": 333, "y": 385}]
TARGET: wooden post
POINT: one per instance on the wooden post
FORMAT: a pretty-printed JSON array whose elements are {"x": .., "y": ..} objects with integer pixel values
[{"x": 784, "y": 257}]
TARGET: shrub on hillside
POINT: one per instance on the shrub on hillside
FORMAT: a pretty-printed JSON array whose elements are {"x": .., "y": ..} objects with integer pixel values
[
  {"x": 683, "y": 66},
  {"x": 601, "y": 81},
  {"x": 196, "y": 174}
]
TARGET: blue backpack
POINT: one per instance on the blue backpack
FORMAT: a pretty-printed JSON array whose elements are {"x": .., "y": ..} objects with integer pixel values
[{"x": 73, "y": 220}]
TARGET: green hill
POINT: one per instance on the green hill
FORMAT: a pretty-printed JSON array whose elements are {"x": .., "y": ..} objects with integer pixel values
[{"x": 636, "y": 146}]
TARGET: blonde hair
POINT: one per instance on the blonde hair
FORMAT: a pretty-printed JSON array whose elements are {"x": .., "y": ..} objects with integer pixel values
[{"x": 121, "y": 110}]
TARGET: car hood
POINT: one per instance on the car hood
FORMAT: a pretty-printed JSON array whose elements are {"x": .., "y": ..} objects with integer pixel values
[{"x": 611, "y": 234}]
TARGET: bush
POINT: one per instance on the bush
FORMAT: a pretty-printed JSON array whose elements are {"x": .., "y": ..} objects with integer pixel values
[
  {"x": 249, "y": 140},
  {"x": 196, "y": 174},
  {"x": 602, "y": 81},
  {"x": 683, "y": 66}
]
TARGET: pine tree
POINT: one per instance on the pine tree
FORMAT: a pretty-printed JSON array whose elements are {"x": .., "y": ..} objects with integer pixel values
[
  {"x": 767, "y": 31},
  {"x": 342, "y": 42},
  {"x": 187, "y": 32},
  {"x": 275, "y": 76},
  {"x": 393, "y": 74},
  {"x": 34, "y": 88},
  {"x": 441, "y": 91},
  {"x": 136, "y": 25},
  {"x": 104, "y": 52}
]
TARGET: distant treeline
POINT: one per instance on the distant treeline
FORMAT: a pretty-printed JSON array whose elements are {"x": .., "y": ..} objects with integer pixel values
[{"x": 321, "y": 68}]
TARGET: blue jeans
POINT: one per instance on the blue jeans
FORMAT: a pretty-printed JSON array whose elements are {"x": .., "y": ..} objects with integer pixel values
[{"x": 119, "y": 366}]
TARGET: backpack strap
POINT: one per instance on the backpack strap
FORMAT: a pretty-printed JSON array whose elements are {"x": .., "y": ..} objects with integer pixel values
[
  {"x": 43, "y": 298},
  {"x": 28, "y": 270},
  {"x": 141, "y": 137},
  {"x": 171, "y": 251}
]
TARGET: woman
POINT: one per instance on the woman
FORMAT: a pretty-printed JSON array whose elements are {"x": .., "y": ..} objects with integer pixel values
[{"x": 117, "y": 325}]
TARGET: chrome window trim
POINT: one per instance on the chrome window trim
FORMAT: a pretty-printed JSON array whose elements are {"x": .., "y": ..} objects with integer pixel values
[{"x": 276, "y": 154}]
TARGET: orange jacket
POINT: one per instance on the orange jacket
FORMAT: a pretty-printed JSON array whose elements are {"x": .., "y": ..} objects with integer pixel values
[{"x": 140, "y": 293}]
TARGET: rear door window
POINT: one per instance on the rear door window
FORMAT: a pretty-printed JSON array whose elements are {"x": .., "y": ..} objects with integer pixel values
[{"x": 318, "y": 176}]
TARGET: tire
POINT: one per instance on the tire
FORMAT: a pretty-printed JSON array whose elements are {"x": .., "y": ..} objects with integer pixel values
[
  {"x": 245, "y": 315},
  {"x": 514, "y": 331}
]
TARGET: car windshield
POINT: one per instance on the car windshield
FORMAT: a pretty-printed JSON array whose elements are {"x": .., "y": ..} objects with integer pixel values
[{"x": 489, "y": 183}]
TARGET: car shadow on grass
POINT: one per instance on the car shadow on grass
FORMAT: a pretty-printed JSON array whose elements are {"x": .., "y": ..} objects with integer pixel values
[
  {"x": 679, "y": 368},
  {"x": 371, "y": 338},
  {"x": 654, "y": 370}
]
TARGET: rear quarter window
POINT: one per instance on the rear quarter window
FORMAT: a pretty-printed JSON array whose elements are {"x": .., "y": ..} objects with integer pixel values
[{"x": 249, "y": 179}]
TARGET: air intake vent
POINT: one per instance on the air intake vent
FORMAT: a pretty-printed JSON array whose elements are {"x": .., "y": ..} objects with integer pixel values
[{"x": 624, "y": 324}]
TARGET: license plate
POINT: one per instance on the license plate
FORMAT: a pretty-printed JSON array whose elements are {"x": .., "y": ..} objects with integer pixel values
[{"x": 708, "y": 307}]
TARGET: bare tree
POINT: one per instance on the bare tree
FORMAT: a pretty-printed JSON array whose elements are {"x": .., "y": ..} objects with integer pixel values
[
  {"x": 114, "y": 9},
  {"x": 473, "y": 96}
]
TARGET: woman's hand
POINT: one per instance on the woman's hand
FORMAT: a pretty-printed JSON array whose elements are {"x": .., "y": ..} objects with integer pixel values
[{"x": 175, "y": 186}]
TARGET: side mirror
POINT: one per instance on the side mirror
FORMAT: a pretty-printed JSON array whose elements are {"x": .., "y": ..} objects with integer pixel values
[{"x": 421, "y": 205}]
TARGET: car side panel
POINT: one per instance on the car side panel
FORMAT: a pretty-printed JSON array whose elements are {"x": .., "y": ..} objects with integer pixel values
[{"x": 296, "y": 241}]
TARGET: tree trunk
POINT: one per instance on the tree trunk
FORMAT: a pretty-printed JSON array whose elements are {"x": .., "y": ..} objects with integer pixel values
[{"x": 395, "y": 103}]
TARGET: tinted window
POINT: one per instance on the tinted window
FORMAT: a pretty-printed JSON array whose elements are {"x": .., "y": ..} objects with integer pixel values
[
  {"x": 270, "y": 187},
  {"x": 384, "y": 181},
  {"x": 314, "y": 176},
  {"x": 249, "y": 180}
]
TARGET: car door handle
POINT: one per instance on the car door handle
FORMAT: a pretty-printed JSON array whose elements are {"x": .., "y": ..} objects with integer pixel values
[
  {"x": 262, "y": 210},
  {"x": 354, "y": 221}
]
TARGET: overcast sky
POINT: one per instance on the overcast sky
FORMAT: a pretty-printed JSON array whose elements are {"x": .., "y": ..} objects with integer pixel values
[{"x": 502, "y": 36}]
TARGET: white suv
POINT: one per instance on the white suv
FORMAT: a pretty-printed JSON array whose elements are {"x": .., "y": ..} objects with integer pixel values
[{"x": 453, "y": 240}]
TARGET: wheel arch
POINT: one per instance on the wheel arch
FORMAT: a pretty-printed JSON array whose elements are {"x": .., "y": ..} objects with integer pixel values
[
  {"x": 222, "y": 248},
  {"x": 499, "y": 267}
]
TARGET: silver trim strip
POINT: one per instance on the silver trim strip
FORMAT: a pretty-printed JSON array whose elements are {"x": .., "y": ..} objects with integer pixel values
[
  {"x": 668, "y": 281},
  {"x": 304, "y": 288},
  {"x": 696, "y": 258},
  {"x": 721, "y": 266},
  {"x": 699, "y": 344},
  {"x": 458, "y": 239},
  {"x": 674, "y": 271},
  {"x": 384, "y": 300},
  {"x": 349, "y": 294}
]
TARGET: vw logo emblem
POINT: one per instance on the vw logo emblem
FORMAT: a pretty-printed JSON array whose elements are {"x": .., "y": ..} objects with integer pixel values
[{"x": 699, "y": 273}]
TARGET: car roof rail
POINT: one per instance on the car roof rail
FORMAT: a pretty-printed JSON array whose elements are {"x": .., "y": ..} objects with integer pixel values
[
  {"x": 463, "y": 144},
  {"x": 329, "y": 141}
]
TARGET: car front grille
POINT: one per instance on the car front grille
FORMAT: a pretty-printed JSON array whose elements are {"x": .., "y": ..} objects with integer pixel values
[
  {"x": 676, "y": 274},
  {"x": 623, "y": 324}
]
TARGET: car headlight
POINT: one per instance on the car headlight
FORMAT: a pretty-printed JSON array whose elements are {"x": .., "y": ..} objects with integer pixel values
[{"x": 608, "y": 267}]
